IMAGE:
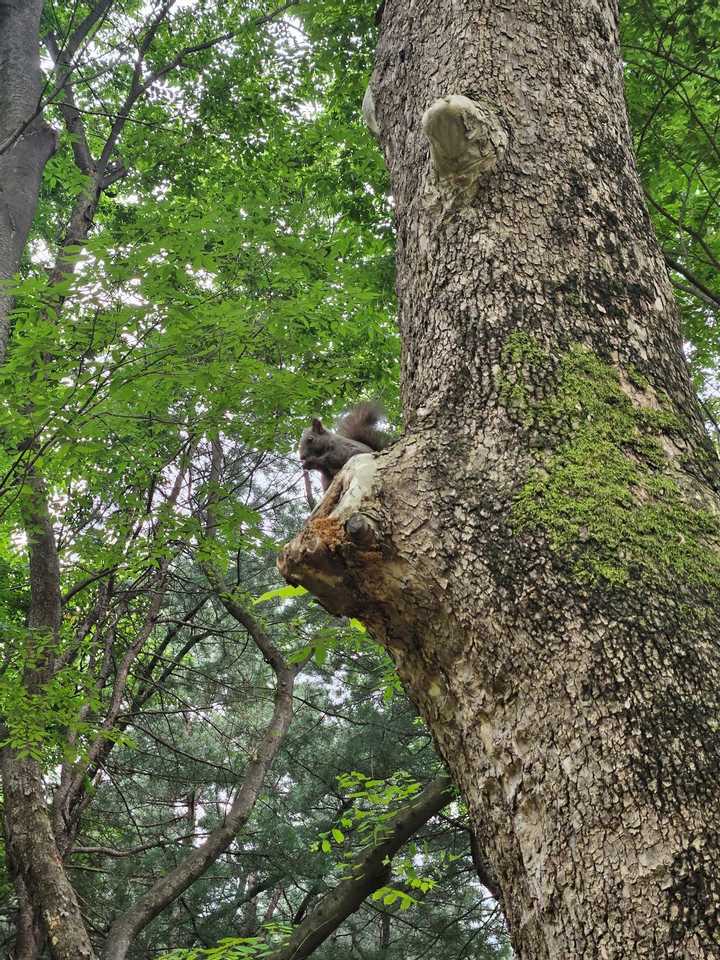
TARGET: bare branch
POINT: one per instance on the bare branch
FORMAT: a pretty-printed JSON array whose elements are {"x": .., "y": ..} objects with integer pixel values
[
  {"x": 690, "y": 232},
  {"x": 700, "y": 289},
  {"x": 261, "y": 639},
  {"x": 86, "y": 582},
  {"x": 308, "y": 490},
  {"x": 79, "y": 35},
  {"x": 131, "y": 851},
  {"x": 661, "y": 54},
  {"x": 171, "y": 886}
]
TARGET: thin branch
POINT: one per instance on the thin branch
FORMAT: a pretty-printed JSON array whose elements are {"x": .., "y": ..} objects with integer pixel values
[
  {"x": 706, "y": 292},
  {"x": 661, "y": 55},
  {"x": 709, "y": 414},
  {"x": 75, "y": 787},
  {"x": 682, "y": 226},
  {"x": 131, "y": 851},
  {"x": 261, "y": 639},
  {"x": 86, "y": 582}
]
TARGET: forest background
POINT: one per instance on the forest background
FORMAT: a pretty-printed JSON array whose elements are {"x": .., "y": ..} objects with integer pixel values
[{"x": 209, "y": 265}]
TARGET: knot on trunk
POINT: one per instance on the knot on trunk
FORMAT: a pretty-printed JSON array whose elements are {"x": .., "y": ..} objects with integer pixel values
[
  {"x": 368, "y": 112},
  {"x": 362, "y": 531},
  {"x": 347, "y": 554},
  {"x": 467, "y": 143},
  {"x": 340, "y": 543}
]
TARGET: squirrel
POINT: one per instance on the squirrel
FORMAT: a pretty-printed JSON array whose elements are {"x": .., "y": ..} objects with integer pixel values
[{"x": 328, "y": 451}]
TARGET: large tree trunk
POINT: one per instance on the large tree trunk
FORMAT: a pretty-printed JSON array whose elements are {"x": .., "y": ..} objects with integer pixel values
[{"x": 540, "y": 553}]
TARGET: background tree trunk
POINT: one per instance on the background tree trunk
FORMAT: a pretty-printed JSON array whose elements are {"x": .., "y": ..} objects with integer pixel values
[
  {"x": 33, "y": 850},
  {"x": 26, "y": 141},
  {"x": 540, "y": 553}
]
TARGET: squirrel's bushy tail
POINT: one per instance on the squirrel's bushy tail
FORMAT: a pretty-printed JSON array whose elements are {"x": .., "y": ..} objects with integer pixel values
[{"x": 361, "y": 422}]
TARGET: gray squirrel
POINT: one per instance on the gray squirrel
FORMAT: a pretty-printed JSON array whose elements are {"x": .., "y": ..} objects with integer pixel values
[{"x": 357, "y": 432}]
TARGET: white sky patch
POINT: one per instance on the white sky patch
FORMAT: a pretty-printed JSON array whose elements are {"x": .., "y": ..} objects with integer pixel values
[{"x": 40, "y": 253}]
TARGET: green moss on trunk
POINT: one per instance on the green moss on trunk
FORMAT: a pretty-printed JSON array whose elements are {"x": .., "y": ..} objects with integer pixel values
[{"x": 610, "y": 500}]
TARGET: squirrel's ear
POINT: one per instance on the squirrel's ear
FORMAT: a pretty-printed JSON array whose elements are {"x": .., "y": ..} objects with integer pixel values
[{"x": 317, "y": 426}]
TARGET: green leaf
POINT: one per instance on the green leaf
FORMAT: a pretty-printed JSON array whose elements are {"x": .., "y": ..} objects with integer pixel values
[{"x": 282, "y": 592}]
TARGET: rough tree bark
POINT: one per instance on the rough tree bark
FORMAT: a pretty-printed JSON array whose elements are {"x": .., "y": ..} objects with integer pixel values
[
  {"x": 34, "y": 856},
  {"x": 26, "y": 141},
  {"x": 540, "y": 553}
]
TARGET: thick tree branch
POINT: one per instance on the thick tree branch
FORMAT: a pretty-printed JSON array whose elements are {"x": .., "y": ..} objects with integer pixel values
[
  {"x": 28, "y": 826},
  {"x": 367, "y": 872},
  {"x": 79, "y": 35},
  {"x": 72, "y": 117}
]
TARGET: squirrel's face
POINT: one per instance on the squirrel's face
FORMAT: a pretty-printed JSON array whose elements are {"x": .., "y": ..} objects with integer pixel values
[{"x": 313, "y": 444}]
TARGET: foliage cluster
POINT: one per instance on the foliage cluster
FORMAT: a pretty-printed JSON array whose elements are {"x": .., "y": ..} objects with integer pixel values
[{"x": 672, "y": 80}]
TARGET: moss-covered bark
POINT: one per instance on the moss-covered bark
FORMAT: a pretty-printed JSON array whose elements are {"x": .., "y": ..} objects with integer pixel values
[{"x": 613, "y": 494}]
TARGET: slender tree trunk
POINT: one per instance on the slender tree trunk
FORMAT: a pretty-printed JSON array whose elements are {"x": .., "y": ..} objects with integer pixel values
[
  {"x": 26, "y": 141},
  {"x": 249, "y": 924},
  {"x": 29, "y": 938},
  {"x": 32, "y": 846},
  {"x": 541, "y": 552},
  {"x": 384, "y": 932}
]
